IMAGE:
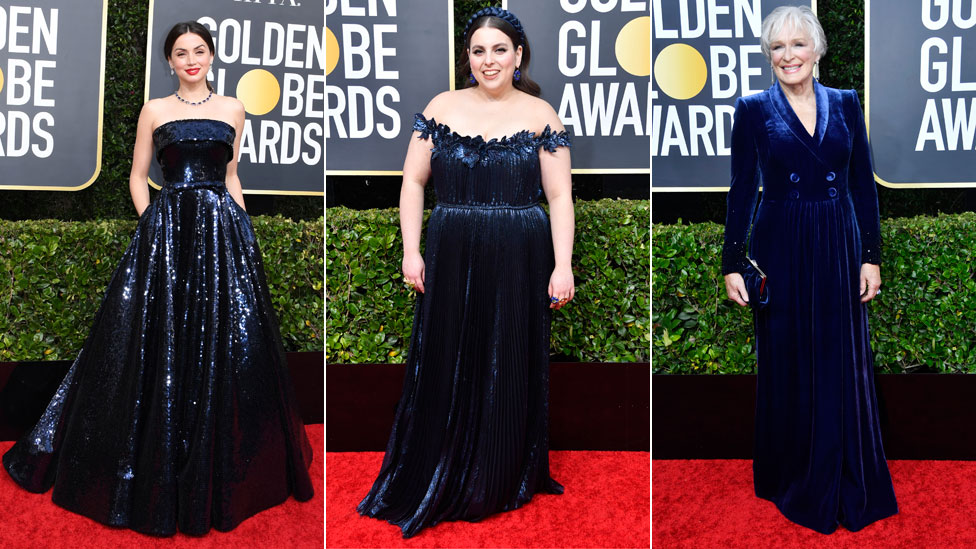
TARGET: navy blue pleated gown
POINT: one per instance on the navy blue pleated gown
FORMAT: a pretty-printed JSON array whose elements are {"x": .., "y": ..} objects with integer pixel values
[
  {"x": 471, "y": 433},
  {"x": 818, "y": 454}
]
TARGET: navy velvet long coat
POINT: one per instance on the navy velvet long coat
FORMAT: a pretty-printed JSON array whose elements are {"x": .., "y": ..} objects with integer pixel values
[{"x": 818, "y": 453}]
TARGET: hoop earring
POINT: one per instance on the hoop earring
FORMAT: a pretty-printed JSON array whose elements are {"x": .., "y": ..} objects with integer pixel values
[
  {"x": 518, "y": 75},
  {"x": 471, "y": 79}
]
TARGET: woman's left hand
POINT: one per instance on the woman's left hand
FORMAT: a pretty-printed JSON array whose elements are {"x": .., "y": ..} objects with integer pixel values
[
  {"x": 870, "y": 281},
  {"x": 561, "y": 286}
]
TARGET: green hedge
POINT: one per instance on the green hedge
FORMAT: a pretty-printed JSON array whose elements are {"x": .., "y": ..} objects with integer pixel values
[
  {"x": 370, "y": 310},
  {"x": 924, "y": 320},
  {"x": 53, "y": 274}
]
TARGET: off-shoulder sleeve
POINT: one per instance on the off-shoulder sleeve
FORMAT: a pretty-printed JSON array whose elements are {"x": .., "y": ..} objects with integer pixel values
[
  {"x": 743, "y": 191},
  {"x": 549, "y": 139},
  {"x": 424, "y": 126},
  {"x": 864, "y": 191}
]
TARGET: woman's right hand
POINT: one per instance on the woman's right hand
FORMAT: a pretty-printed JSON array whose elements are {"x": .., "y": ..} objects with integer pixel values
[
  {"x": 735, "y": 286},
  {"x": 413, "y": 271}
]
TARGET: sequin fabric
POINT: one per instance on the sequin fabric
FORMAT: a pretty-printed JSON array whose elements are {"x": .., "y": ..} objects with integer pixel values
[
  {"x": 471, "y": 432},
  {"x": 178, "y": 414}
]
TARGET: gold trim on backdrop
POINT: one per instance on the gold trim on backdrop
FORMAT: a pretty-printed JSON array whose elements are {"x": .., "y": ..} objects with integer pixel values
[
  {"x": 358, "y": 172},
  {"x": 867, "y": 117},
  {"x": 450, "y": 53},
  {"x": 145, "y": 99},
  {"x": 580, "y": 171},
  {"x": 101, "y": 114}
]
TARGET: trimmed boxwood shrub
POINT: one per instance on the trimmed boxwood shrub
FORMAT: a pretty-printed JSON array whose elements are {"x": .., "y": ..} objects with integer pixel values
[
  {"x": 53, "y": 275},
  {"x": 370, "y": 310},
  {"x": 924, "y": 320}
]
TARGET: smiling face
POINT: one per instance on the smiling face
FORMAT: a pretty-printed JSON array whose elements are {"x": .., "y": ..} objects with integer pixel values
[
  {"x": 190, "y": 57},
  {"x": 493, "y": 59},
  {"x": 792, "y": 56}
]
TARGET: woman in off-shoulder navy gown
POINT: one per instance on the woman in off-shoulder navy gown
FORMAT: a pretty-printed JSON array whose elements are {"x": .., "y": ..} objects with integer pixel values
[
  {"x": 470, "y": 437},
  {"x": 178, "y": 414},
  {"x": 816, "y": 235}
]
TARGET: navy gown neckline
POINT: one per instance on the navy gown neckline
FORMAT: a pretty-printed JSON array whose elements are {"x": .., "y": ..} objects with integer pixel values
[{"x": 789, "y": 117}]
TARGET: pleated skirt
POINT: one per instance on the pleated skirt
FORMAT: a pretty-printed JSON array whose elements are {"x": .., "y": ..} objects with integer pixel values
[
  {"x": 178, "y": 414},
  {"x": 470, "y": 436},
  {"x": 818, "y": 452}
]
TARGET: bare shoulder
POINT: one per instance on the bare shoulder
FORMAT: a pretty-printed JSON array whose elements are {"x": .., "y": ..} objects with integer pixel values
[
  {"x": 541, "y": 113},
  {"x": 231, "y": 104},
  {"x": 444, "y": 103},
  {"x": 229, "y": 109},
  {"x": 153, "y": 110}
]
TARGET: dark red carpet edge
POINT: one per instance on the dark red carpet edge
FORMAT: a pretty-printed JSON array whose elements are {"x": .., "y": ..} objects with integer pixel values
[
  {"x": 32, "y": 520},
  {"x": 606, "y": 504},
  {"x": 711, "y": 503}
]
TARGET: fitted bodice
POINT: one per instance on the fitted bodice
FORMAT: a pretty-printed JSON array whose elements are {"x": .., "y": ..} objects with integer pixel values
[
  {"x": 502, "y": 172},
  {"x": 194, "y": 150}
]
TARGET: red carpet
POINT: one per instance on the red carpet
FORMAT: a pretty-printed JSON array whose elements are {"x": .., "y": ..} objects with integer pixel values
[
  {"x": 711, "y": 503},
  {"x": 605, "y": 505},
  {"x": 31, "y": 520}
]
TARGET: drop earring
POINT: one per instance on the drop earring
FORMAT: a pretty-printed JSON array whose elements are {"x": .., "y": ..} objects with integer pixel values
[
  {"x": 171, "y": 71},
  {"x": 518, "y": 75},
  {"x": 471, "y": 79}
]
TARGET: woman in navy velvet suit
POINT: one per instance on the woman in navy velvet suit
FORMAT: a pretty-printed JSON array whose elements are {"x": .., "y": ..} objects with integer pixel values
[{"x": 815, "y": 234}]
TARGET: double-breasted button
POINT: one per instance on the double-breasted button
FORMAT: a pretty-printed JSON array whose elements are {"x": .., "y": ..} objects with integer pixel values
[
  {"x": 794, "y": 195},
  {"x": 831, "y": 192},
  {"x": 831, "y": 176},
  {"x": 794, "y": 178}
]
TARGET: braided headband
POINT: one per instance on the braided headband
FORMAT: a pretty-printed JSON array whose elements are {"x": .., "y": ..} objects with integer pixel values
[{"x": 504, "y": 15}]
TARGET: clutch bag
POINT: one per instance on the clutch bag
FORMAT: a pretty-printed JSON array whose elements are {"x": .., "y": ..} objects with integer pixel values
[{"x": 755, "y": 280}]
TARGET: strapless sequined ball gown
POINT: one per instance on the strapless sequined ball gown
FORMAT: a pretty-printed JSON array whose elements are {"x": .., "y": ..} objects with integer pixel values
[{"x": 178, "y": 414}]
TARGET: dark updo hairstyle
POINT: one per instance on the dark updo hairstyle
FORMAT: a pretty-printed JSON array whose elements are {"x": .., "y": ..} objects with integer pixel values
[
  {"x": 179, "y": 30},
  {"x": 524, "y": 83}
]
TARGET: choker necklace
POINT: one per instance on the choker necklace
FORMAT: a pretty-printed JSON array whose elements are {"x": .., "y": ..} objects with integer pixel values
[{"x": 177, "y": 94}]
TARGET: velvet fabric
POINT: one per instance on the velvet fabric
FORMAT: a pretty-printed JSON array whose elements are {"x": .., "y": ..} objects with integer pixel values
[
  {"x": 471, "y": 432},
  {"x": 818, "y": 454},
  {"x": 178, "y": 414}
]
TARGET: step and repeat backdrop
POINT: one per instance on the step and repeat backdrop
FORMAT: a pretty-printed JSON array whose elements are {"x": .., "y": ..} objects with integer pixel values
[
  {"x": 271, "y": 56},
  {"x": 707, "y": 54},
  {"x": 388, "y": 59},
  {"x": 52, "y": 68},
  {"x": 920, "y": 92}
]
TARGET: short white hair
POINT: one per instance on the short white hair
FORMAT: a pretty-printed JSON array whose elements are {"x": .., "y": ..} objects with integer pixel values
[{"x": 800, "y": 18}]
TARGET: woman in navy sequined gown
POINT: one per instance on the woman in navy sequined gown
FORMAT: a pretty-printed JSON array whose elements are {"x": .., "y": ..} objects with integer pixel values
[
  {"x": 178, "y": 414},
  {"x": 470, "y": 437},
  {"x": 816, "y": 234}
]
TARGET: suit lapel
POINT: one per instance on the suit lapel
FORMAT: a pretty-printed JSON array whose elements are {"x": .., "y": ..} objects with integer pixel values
[{"x": 786, "y": 114}]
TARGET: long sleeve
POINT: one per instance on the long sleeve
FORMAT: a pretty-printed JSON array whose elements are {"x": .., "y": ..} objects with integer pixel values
[
  {"x": 743, "y": 191},
  {"x": 864, "y": 191}
]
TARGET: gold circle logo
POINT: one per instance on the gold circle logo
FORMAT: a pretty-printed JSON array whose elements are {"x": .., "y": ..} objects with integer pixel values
[
  {"x": 633, "y": 46},
  {"x": 331, "y": 51},
  {"x": 680, "y": 71},
  {"x": 259, "y": 90},
  {"x": 1, "y": 79}
]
